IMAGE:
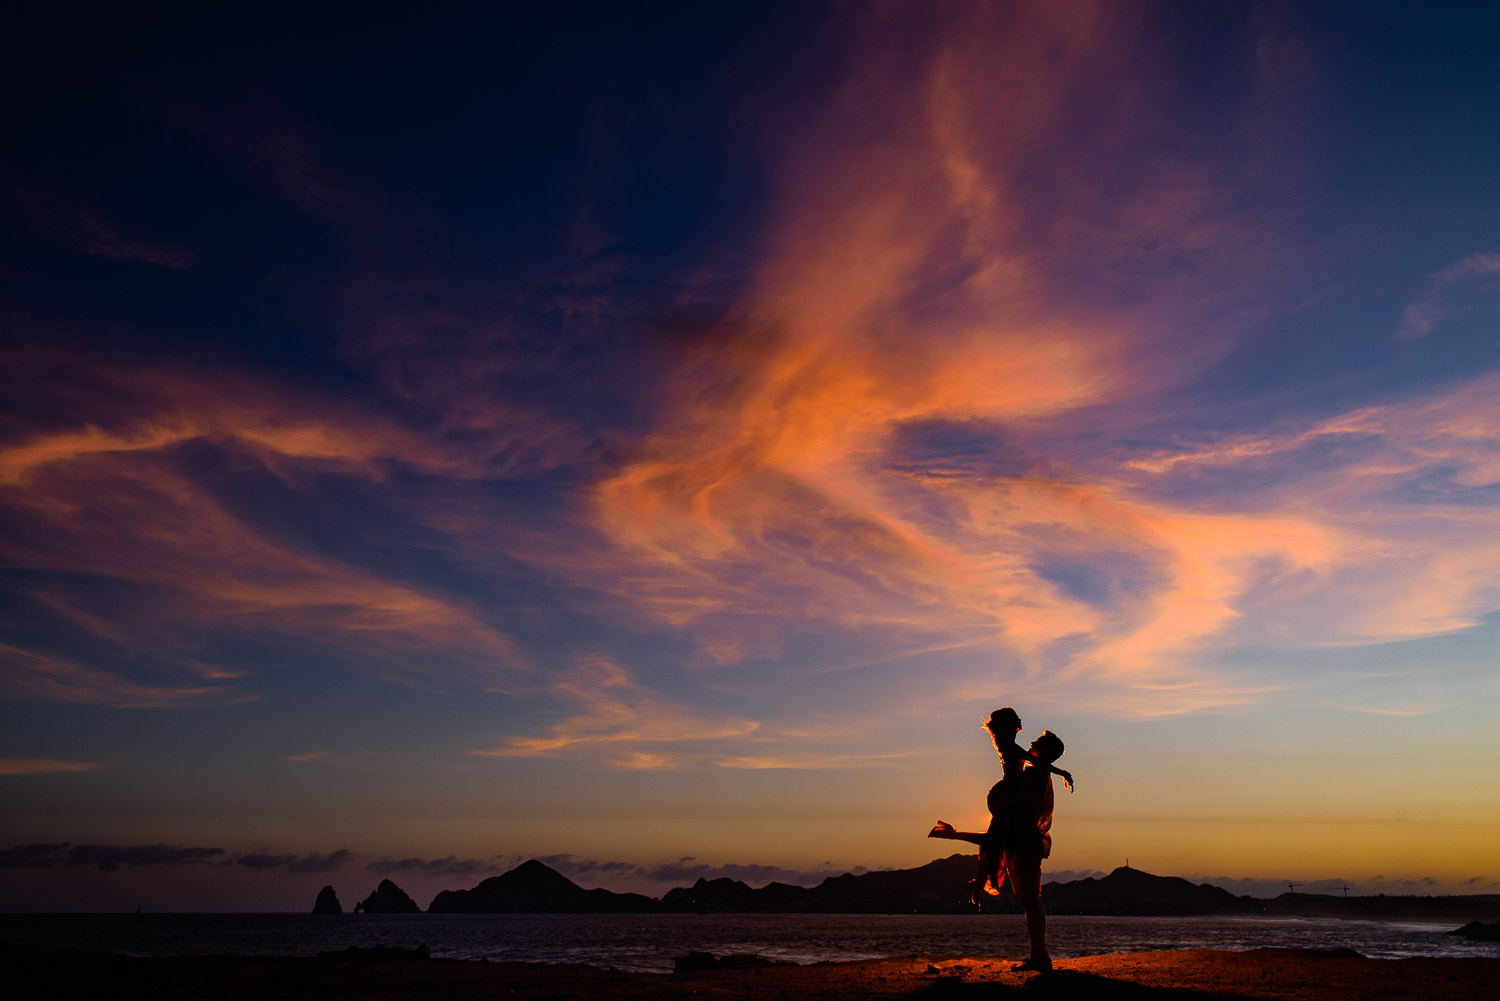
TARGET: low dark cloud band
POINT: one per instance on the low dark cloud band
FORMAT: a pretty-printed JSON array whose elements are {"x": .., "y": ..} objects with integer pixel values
[{"x": 108, "y": 858}]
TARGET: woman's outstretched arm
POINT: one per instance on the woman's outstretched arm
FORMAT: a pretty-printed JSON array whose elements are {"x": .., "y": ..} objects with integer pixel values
[{"x": 945, "y": 830}]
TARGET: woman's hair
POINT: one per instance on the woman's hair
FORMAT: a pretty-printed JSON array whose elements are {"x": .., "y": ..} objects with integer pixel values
[
  {"x": 1006, "y": 717},
  {"x": 1002, "y": 726}
]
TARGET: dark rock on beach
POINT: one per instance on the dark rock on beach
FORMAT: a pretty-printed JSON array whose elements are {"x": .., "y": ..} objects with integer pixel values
[
  {"x": 327, "y": 902},
  {"x": 1479, "y": 931},
  {"x": 388, "y": 898}
]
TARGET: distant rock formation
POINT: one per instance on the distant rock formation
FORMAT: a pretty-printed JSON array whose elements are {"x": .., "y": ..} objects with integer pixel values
[
  {"x": 388, "y": 898},
  {"x": 328, "y": 902},
  {"x": 939, "y": 887},
  {"x": 534, "y": 888},
  {"x": 1131, "y": 891},
  {"x": 720, "y": 896}
]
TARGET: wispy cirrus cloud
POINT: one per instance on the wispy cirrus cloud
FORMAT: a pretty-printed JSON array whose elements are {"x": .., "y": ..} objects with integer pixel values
[
  {"x": 614, "y": 719},
  {"x": 1450, "y": 293},
  {"x": 29, "y": 674},
  {"x": 925, "y": 421},
  {"x": 43, "y": 766},
  {"x": 803, "y": 760},
  {"x": 1405, "y": 493},
  {"x": 140, "y": 500},
  {"x": 276, "y": 151},
  {"x": 333, "y": 759},
  {"x": 72, "y": 224},
  {"x": 870, "y": 442}
]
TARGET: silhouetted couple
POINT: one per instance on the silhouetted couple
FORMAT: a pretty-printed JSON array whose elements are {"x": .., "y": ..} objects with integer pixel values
[{"x": 1020, "y": 831}]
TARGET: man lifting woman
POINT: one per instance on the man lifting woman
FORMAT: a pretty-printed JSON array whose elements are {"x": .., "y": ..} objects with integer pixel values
[{"x": 1020, "y": 831}]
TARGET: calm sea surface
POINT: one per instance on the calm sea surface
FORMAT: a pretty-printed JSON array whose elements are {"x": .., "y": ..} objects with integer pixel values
[{"x": 649, "y": 942}]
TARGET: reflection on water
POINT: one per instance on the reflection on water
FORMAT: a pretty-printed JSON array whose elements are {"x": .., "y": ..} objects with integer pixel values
[{"x": 649, "y": 941}]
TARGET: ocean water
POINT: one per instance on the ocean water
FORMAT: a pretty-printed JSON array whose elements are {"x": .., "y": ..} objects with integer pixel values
[{"x": 649, "y": 942}]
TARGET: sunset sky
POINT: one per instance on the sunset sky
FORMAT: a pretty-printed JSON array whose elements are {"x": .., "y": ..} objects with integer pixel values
[{"x": 651, "y": 437}]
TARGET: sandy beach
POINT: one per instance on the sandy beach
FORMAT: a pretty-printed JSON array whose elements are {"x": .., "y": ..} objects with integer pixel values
[{"x": 1184, "y": 975}]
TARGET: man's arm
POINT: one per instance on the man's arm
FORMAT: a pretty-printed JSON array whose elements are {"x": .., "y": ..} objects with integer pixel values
[
  {"x": 1024, "y": 788},
  {"x": 1066, "y": 775}
]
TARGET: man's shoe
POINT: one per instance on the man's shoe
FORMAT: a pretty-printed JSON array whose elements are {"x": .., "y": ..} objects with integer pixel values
[{"x": 1043, "y": 965}]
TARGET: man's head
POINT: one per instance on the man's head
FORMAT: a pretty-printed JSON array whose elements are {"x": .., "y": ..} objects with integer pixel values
[{"x": 1048, "y": 747}]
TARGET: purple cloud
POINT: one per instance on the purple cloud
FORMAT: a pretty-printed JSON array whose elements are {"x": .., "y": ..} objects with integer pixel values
[
  {"x": 449, "y": 866},
  {"x": 311, "y": 862}
]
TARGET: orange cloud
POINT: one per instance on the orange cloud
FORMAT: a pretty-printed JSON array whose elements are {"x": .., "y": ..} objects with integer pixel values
[
  {"x": 995, "y": 256},
  {"x": 149, "y": 410},
  {"x": 914, "y": 283},
  {"x": 1410, "y": 548}
]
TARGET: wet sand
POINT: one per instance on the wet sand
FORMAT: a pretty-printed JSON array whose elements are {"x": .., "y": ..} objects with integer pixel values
[{"x": 1181, "y": 976}]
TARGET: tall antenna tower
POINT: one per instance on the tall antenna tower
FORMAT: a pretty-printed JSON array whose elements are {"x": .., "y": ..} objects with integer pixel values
[{"x": 1293, "y": 888}]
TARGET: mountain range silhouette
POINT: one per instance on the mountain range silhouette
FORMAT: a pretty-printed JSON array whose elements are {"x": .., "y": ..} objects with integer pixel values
[{"x": 939, "y": 887}]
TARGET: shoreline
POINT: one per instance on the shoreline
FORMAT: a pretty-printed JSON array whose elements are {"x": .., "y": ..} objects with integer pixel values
[
  {"x": 652, "y": 944},
  {"x": 1184, "y": 975}
]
